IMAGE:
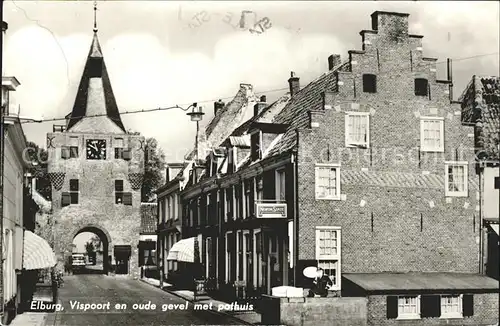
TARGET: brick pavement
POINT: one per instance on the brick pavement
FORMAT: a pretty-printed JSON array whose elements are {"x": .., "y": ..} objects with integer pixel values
[{"x": 249, "y": 317}]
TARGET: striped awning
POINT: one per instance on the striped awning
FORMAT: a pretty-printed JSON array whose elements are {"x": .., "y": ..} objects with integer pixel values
[
  {"x": 182, "y": 250},
  {"x": 494, "y": 227},
  {"x": 37, "y": 253}
]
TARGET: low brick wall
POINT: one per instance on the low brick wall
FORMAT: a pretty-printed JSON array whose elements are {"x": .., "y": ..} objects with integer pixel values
[{"x": 314, "y": 311}]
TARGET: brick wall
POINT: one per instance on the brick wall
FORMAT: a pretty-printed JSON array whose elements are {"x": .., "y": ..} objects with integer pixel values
[
  {"x": 415, "y": 228},
  {"x": 96, "y": 205},
  {"x": 485, "y": 313},
  {"x": 316, "y": 311}
]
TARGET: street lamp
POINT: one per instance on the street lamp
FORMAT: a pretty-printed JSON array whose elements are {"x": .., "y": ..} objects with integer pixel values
[{"x": 196, "y": 113}]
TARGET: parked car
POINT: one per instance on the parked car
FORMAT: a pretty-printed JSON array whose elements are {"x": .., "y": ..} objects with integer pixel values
[{"x": 78, "y": 262}]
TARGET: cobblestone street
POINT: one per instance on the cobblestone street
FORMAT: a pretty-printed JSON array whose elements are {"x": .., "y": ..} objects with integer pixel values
[{"x": 117, "y": 290}]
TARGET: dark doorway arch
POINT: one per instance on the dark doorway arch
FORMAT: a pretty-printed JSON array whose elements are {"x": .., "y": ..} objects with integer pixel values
[{"x": 105, "y": 238}]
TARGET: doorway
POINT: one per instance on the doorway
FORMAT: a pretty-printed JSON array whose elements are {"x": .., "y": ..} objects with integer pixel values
[{"x": 122, "y": 258}]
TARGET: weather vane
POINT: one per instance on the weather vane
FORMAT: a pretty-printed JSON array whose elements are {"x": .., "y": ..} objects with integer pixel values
[{"x": 95, "y": 16}]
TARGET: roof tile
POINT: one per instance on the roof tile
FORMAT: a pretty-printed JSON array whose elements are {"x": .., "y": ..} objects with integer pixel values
[{"x": 148, "y": 217}]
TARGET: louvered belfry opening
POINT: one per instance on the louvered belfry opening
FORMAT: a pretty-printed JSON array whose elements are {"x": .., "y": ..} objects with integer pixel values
[{"x": 95, "y": 68}]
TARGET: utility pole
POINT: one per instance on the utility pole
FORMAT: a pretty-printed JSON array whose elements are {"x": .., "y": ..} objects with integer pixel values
[{"x": 2, "y": 146}]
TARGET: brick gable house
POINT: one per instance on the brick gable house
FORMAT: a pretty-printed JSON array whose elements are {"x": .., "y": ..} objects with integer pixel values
[{"x": 366, "y": 172}]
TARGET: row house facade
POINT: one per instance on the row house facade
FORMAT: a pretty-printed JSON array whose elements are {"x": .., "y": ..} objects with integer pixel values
[
  {"x": 19, "y": 210},
  {"x": 169, "y": 221},
  {"x": 480, "y": 109},
  {"x": 366, "y": 172},
  {"x": 219, "y": 205},
  {"x": 226, "y": 117}
]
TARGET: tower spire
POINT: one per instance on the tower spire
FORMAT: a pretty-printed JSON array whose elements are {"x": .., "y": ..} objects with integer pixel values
[{"x": 95, "y": 16}]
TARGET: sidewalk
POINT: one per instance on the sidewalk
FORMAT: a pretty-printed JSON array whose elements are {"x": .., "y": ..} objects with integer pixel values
[
  {"x": 30, "y": 319},
  {"x": 249, "y": 317}
]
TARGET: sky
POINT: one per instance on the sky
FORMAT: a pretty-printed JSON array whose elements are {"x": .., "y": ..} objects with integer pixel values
[{"x": 158, "y": 54}]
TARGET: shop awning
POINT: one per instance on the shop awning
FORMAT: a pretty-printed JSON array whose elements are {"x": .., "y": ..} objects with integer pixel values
[
  {"x": 122, "y": 251},
  {"x": 494, "y": 227},
  {"x": 147, "y": 245},
  {"x": 182, "y": 250},
  {"x": 37, "y": 253}
]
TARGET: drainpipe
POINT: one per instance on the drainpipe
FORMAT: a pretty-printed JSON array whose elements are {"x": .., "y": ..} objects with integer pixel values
[
  {"x": 2, "y": 154},
  {"x": 295, "y": 243},
  {"x": 481, "y": 222}
]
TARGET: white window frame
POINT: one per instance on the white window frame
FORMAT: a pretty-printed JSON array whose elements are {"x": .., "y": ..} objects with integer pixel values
[
  {"x": 350, "y": 143},
  {"x": 176, "y": 206},
  {"x": 160, "y": 210},
  {"x": 335, "y": 258},
  {"x": 425, "y": 148},
  {"x": 277, "y": 178},
  {"x": 256, "y": 261},
  {"x": 169, "y": 203},
  {"x": 224, "y": 198},
  {"x": 245, "y": 233},
  {"x": 207, "y": 256},
  {"x": 459, "y": 313},
  {"x": 415, "y": 315},
  {"x": 465, "y": 192},
  {"x": 228, "y": 274},
  {"x": 319, "y": 166}
]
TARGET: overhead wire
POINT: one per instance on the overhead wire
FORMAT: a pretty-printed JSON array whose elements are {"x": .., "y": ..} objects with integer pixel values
[{"x": 177, "y": 106}]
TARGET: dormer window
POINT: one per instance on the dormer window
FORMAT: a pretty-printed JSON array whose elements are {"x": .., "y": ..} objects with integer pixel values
[
  {"x": 369, "y": 83},
  {"x": 255, "y": 145},
  {"x": 421, "y": 87}
]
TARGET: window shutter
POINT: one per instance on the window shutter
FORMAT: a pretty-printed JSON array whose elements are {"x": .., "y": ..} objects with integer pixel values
[
  {"x": 232, "y": 243},
  {"x": 141, "y": 256},
  {"x": 258, "y": 244},
  {"x": 66, "y": 199},
  {"x": 392, "y": 307},
  {"x": 65, "y": 152},
  {"x": 127, "y": 154},
  {"x": 127, "y": 198},
  {"x": 468, "y": 305},
  {"x": 430, "y": 306}
]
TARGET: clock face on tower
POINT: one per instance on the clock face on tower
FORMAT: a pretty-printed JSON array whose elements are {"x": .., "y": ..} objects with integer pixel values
[{"x": 96, "y": 149}]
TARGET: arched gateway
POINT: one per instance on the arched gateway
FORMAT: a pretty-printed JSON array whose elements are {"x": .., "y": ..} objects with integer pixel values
[
  {"x": 105, "y": 240},
  {"x": 96, "y": 170}
]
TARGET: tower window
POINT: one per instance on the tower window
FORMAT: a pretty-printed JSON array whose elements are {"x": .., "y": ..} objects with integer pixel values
[
  {"x": 421, "y": 87},
  {"x": 118, "y": 191},
  {"x": 119, "y": 147},
  {"x": 95, "y": 67},
  {"x": 74, "y": 189},
  {"x": 369, "y": 83}
]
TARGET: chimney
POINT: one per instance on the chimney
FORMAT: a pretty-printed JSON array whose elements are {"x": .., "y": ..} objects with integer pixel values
[
  {"x": 294, "y": 84},
  {"x": 390, "y": 23},
  {"x": 333, "y": 61},
  {"x": 217, "y": 106},
  {"x": 167, "y": 174},
  {"x": 259, "y": 106}
]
